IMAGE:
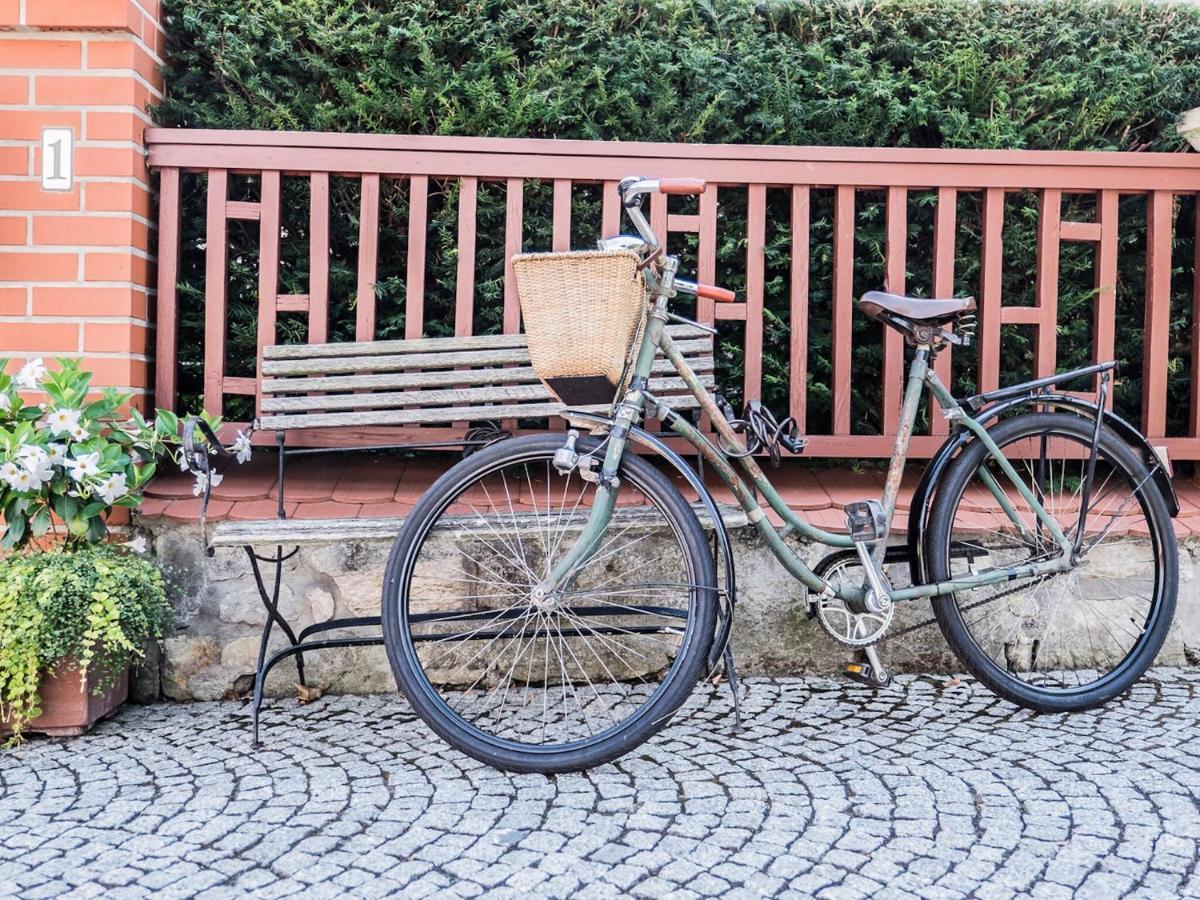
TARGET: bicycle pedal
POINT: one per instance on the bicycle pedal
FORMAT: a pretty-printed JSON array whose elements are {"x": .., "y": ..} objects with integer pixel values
[
  {"x": 866, "y": 520},
  {"x": 864, "y": 673}
]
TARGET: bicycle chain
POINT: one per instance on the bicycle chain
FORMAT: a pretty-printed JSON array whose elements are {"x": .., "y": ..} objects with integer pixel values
[{"x": 976, "y": 605}]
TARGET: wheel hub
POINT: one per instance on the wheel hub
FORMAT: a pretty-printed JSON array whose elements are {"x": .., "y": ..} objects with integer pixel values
[{"x": 543, "y": 600}]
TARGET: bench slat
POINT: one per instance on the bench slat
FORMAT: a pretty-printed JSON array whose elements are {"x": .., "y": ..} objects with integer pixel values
[
  {"x": 404, "y": 399},
  {"x": 369, "y": 363},
  {"x": 440, "y": 415},
  {"x": 324, "y": 531},
  {"x": 415, "y": 416},
  {"x": 422, "y": 361},
  {"x": 385, "y": 348},
  {"x": 418, "y": 345},
  {"x": 516, "y": 375},
  {"x": 390, "y": 399},
  {"x": 313, "y": 383}
]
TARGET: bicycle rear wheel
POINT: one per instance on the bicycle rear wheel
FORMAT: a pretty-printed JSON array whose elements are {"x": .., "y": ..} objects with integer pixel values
[
  {"x": 1067, "y": 641},
  {"x": 547, "y": 682}
]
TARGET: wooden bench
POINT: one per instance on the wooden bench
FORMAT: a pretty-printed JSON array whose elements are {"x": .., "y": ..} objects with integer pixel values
[
  {"x": 447, "y": 393},
  {"x": 433, "y": 381}
]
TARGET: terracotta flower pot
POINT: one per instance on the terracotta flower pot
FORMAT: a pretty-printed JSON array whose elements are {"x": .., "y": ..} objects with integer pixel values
[{"x": 68, "y": 709}]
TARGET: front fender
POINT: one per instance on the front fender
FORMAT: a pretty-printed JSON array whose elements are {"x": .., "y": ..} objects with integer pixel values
[{"x": 646, "y": 439}]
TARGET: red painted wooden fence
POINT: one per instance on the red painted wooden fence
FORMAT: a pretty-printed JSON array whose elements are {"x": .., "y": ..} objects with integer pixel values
[{"x": 1106, "y": 176}]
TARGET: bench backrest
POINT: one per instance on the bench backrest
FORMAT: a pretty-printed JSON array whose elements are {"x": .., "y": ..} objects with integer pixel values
[{"x": 434, "y": 381}]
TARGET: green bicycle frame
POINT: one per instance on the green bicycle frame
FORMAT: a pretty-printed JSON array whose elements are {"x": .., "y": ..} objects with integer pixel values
[{"x": 753, "y": 481}]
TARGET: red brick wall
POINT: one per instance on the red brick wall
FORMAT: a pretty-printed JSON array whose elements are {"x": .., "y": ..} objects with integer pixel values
[{"x": 76, "y": 268}]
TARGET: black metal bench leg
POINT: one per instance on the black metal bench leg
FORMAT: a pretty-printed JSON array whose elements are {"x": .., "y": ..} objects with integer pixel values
[{"x": 271, "y": 603}]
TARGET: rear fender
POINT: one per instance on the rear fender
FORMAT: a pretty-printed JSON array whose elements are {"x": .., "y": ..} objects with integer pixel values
[{"x": 922, "y": 501}]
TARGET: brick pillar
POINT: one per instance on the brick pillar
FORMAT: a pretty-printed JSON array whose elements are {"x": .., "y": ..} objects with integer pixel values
[{"x": 76, "y": 266}]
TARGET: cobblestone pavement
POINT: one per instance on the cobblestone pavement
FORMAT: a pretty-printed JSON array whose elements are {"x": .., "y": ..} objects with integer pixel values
[{"x": 830, "y": 790}]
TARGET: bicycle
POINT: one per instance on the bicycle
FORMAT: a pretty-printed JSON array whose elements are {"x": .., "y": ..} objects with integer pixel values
[{"x": 553, "y": 599}]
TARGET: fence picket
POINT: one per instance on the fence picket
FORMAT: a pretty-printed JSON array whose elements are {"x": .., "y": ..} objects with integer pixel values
[
  {"x": 991, "y": 266},
  {"x": 706, "y": 257},
  {"x": 167, "y": 326},
  {"x": 1046, "y": 350},
  {"x": 1104, "y": 338},
  {"x": 513, "y": 241},
  {"x": 896, "y": 255},
  {"x": 414, "y": 277},
  {"x": 318, "y": 258},
  {"x": 368, "y": 251},
  {"x": 561, "y": 222},
  {"x": 843, "y": 307},
  {"x": 798, "y": 311},
  {"x": 945, "y": 226},
  {"x": 268, "y": 267},
  {"x": 464, "y": 280},
  {"x": 215, "y": 251},
  {"x": 756, "y": 223},
  {"x": 1158, "y": 313}
]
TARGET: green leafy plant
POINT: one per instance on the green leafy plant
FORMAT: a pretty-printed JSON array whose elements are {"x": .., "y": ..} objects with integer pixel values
[
  {"x": 95, "y": 606},
  {"x": 72, "y": 457}
]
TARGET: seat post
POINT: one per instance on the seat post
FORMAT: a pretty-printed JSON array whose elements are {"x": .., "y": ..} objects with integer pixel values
[{"x": 908, "y": 417}]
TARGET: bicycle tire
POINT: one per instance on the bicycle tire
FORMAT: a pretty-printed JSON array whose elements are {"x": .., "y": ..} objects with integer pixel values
[
  {"x": 939, "y": 537},
  {"x": 684, "y": 673}
]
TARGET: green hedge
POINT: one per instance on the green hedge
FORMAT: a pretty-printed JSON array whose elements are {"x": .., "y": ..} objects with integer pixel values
[{"x": 925, "y": 73}]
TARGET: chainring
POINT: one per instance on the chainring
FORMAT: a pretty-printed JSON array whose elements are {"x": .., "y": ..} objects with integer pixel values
[{"x": 844, "y": 625}]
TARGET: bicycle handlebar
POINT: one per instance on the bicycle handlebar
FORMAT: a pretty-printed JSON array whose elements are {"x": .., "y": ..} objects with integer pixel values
[
  {"x": 707, "y": 291},
  {"x": 681, "y": 186},
  {"x": 633, "y": 188}
]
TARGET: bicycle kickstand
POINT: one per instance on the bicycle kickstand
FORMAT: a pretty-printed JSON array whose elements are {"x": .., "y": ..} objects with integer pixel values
[{"x": 731, "y": 675}]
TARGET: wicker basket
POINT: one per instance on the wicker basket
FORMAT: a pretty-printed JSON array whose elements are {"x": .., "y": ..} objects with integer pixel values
[{"x": 583, "y": 312}]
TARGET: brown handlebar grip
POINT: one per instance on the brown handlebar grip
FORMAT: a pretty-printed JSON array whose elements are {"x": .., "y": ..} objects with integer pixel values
[
  {"x": 718, "y": 294},
  {"x": 681, "y": 186}
]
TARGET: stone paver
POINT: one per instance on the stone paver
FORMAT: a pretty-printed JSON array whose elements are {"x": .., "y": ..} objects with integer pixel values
[{"x": 829, "y": 791}]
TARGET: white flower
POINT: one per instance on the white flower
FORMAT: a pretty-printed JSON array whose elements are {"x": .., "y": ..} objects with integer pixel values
[
  {"x": 36, "y": 462},
  {"x": 112, "y": 487},
  {"x": 203, "y": 480},
  {"x": 27, "y": 452},
  {"x": 79, "y": 433},
  {"x": 57, "y": 454},
  {"x": 9, "y": 472},
  {"x": 62, "y": 421},
  {"x": 241, "y": 446},
  {"x": 137, "y": 544},
  {"x": 88, "y": 464},
  {"x": 22, "y": 479},
  {"x": 32, "y": 373}
]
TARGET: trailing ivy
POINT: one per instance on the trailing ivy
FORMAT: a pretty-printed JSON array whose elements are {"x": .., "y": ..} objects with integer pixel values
[
  {"x": 1051, "y": 74},
  {"x": 95, "y": 606}
]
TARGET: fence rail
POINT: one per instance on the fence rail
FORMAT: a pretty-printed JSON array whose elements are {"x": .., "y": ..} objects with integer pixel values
[{"x": 1161, "y": 178}]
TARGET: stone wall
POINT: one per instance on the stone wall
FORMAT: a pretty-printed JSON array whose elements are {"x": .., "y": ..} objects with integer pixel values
[{"x": 212, "y": 653}]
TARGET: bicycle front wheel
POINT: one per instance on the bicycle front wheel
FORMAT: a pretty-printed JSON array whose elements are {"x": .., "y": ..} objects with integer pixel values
[
  {"x": 1071, "y": 640},
  {"x": 535, "y": 681}
]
